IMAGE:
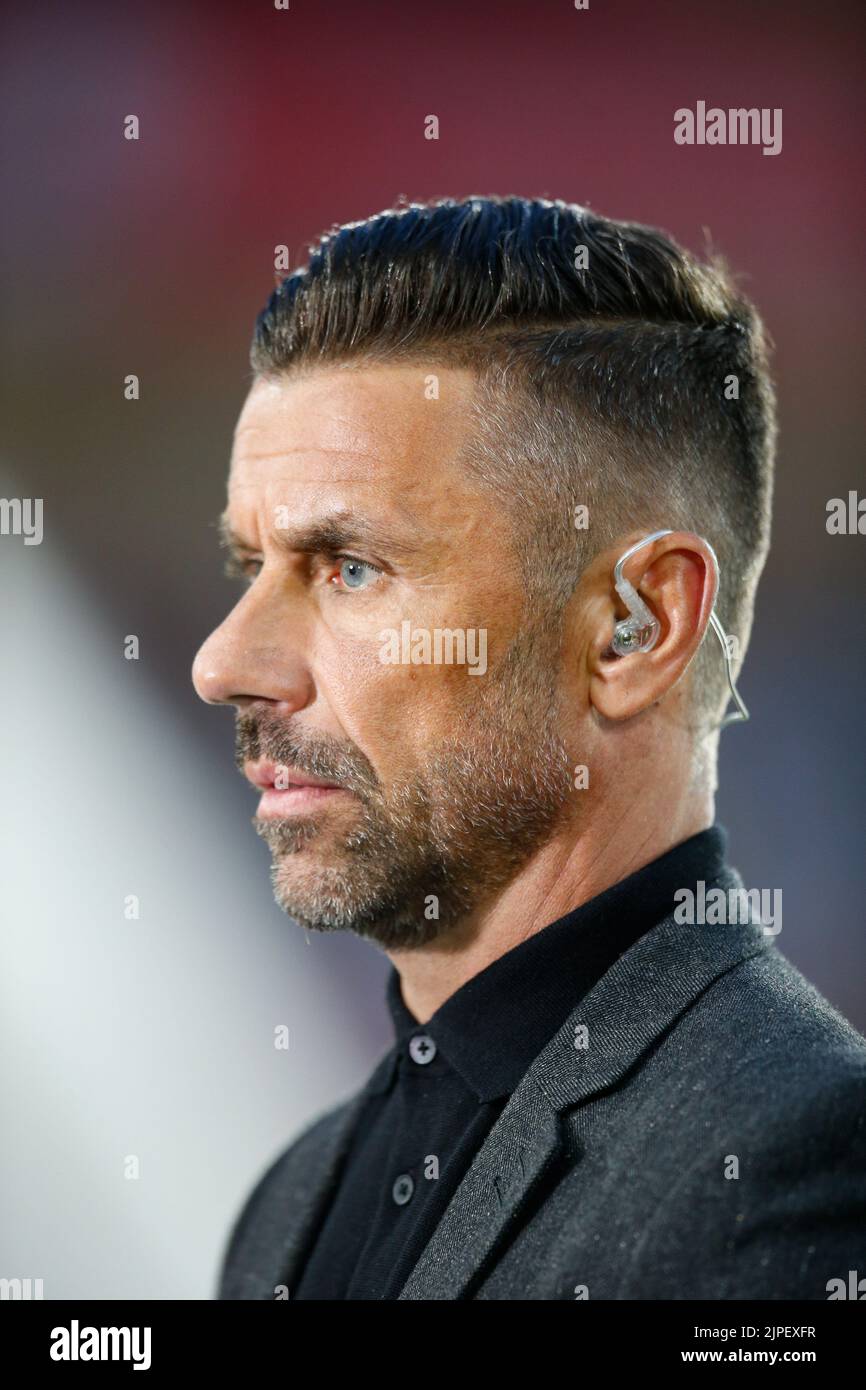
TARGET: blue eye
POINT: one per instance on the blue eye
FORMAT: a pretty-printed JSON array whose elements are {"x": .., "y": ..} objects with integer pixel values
[
  {"x": 353, "y": 572},
  {"x": 238, "y": 568}
]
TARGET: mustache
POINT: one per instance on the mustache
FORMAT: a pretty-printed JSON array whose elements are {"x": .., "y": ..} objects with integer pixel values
[{"x": 260, "y": 736}]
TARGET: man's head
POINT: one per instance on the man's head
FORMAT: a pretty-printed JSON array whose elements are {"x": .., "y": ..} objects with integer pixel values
[{"x": 461, "y": 415}]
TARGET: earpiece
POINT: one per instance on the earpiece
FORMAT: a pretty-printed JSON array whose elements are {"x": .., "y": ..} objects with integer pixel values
[{"x": 639, "y": 632}]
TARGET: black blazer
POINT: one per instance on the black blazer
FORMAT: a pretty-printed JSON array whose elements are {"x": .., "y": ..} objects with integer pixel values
[{"x": 708, "y": 1143}]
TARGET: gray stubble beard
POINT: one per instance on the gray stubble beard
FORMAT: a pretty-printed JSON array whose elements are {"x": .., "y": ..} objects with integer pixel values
[{"x": 423, "y": 855}]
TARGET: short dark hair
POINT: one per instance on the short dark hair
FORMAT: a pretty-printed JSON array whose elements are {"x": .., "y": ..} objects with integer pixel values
[{"x": 614, "y": 370}]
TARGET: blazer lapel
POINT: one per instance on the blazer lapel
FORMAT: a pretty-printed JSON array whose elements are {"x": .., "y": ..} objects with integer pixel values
[
  {"x": 642, "y": 993},
  {"x": 300, "y": 1192},
  {"x": 305, "y": 1189},
  {"x": 307, "y": 1199}
]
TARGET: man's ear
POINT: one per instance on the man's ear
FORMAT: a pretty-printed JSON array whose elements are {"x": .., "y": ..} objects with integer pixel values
[{"x": 677, "y": 579}]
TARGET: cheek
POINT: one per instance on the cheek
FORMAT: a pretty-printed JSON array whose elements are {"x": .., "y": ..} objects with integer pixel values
[{"x": 392, "y": 710}]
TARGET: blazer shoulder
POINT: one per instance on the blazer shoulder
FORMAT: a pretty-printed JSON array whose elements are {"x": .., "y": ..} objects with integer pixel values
[
  {"x": 759, "y": 1190},
  {"x": 768, "y": 1006}
]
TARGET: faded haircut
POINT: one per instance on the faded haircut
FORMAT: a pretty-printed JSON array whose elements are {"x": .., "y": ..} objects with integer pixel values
[{"x": 614, "y": 371}]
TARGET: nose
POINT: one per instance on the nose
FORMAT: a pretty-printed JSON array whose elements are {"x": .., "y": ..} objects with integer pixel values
[{"x": 252, "y": 657}]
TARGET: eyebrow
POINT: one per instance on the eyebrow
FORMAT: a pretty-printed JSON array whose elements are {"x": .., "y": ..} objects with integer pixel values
[{"x": 337, "y": 531}]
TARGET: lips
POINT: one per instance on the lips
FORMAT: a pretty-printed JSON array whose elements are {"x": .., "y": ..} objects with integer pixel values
[
  {"x": 264, "y": 774},
  {"x": 297, "y": 792}
]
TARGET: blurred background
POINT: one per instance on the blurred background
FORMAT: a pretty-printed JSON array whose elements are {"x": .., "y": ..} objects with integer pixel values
[{"x": 154, "y": 1037}]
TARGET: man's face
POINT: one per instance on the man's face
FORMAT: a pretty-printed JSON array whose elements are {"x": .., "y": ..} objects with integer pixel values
[{"x": 363, "y": 543}]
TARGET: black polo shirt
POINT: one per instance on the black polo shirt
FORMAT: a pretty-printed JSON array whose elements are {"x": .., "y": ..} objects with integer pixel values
[{"x": 436, "y": 1094}]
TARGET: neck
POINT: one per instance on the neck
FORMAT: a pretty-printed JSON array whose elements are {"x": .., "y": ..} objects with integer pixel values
[{"x": 569, "y": 870}]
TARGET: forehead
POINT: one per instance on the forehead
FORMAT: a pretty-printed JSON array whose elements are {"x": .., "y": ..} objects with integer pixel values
[{"x": 337, "y": 434}]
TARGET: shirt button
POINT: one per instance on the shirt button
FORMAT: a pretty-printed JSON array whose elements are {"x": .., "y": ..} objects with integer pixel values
[
  {"x": 422, "y": 1049},
  {"x": 402, "y": 1189}
]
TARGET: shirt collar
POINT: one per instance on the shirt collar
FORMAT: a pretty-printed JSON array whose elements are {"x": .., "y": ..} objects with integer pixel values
[{"x": 494, "y": 1026}]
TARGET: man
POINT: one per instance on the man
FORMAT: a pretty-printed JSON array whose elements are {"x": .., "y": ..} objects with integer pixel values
[{"x": 463, "y": 415}]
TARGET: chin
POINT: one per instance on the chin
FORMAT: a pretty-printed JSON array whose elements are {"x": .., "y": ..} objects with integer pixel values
[{"x": 302, "y": 891}]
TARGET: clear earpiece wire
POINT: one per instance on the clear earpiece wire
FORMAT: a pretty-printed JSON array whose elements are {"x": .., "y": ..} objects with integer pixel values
[{"x": 741, "y": 714}]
